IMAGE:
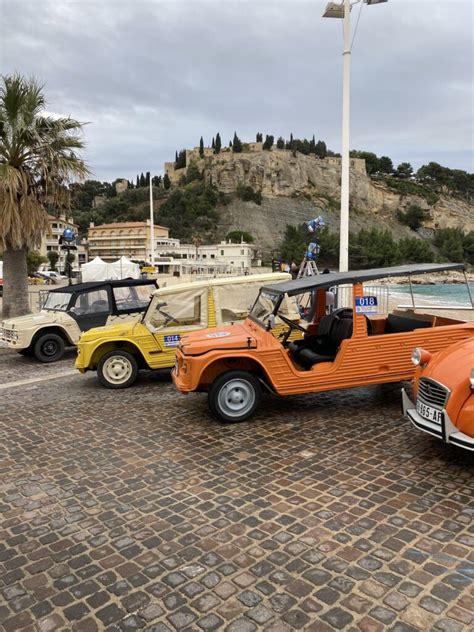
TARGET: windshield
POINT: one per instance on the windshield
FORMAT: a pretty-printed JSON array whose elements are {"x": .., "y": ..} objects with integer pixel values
[
  {"x": 57, "y": 301},
  {"x": 186, "y": 309},
  {"x": 264, "y": 306}
]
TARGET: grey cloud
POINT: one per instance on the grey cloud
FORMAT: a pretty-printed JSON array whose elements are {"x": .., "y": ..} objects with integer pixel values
[{"x": 153, "y": 77}]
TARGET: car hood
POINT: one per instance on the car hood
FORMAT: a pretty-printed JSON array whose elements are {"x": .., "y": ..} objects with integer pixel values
[
  {"x": 229, "y": 337},
  {"x": 452, "y": 365},
  {"x": 118, "y": 330},
  {"x": 32, "y": 320}
]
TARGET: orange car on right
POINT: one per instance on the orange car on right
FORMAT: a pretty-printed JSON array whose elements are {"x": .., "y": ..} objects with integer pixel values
[{"x": 444, "y": 394}]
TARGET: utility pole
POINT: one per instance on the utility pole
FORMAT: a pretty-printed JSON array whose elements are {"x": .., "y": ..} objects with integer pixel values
[
  {"x": 346, "y": 90},
  {"x": 152, "y": 225}
]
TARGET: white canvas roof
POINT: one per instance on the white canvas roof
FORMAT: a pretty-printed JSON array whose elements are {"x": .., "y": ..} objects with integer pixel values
[
  {"x": 123, "y": 268},
  {"x": 95, "y": 270}
]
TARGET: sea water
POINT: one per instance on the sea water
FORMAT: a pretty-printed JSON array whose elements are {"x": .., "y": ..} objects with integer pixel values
[{"x": 454, "y": 294}]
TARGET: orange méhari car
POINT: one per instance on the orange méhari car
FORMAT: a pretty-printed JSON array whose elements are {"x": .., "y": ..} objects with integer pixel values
[
  {"x": 352, "y": 346},
  {"x": 444, "y": 394}
]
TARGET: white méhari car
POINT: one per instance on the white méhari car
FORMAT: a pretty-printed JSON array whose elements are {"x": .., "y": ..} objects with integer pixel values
[{"x": 69, "y": 311}]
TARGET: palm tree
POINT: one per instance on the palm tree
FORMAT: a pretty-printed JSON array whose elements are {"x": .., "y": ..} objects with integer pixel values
[{"x": 38, "y": 157}]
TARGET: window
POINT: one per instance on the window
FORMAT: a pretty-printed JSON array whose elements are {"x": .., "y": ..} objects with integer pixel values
[
  {"x": 57, "y": 301},
  {"x": 235, "y": 300},
  {"x": 242, "y": 251},
  {"x": 213, "y": 256},
  {"x": 132, "y": 298},
  {"x": 222, "y": 253},
  {"x": 94, "y": 302},
  {"x": 183, "y": 309}
]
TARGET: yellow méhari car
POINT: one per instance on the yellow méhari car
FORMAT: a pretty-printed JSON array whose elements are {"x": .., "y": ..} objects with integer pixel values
[
  {"x": 118, "y": 352},
  {"x": 351, "y": 346}
]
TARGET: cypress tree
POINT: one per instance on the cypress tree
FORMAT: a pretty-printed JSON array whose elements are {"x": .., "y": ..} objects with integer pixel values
[
  {"x": 218, "y": 143},
  {"x": 213, "y": 145},
  {"x": 280, "y": 143},
  {"x": 138, "y": 182},
  {"x": 166, "y": 182},
  {"x": 142, "y": 180},
  {"x": 237, "y": 144},
  {"x": 147, "y": 179},
  {"x": 201, "y": 148}
]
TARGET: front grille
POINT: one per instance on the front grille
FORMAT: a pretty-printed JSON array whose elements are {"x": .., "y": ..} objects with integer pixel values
[
  {"x": 9, "y": 335},
  {"x": 432, "y": 393}
]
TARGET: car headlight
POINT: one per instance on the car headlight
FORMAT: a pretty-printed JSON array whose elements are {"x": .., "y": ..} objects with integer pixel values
[{"x": 420, "y": 357}]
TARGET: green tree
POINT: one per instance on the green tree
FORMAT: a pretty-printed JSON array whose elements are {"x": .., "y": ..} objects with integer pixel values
[
  {"x": 320, "y": 149},
  {"x": 213, "y": 144},
  {"x": 236, "y": 144},
  {"x": 218, "y": 146},
  {"x": 166, "y": 182},
  {"x": 53, "y": 258},
  {"x": 33, "y": 261},
  {"x": 38, "y": 156},
  {"x": 450, "y": 242},
  {"x": 193, "y": 173},
  {"x": 237, "y": 236},
  {"x": 413, "y": 250},
  {"x": 268, "y": 144},
  {"x": 201, "y": 147},
  {"x": 280, "y": 143},
  {"x": 147, "y": 179},
  {"x": 385, "y": 165},
  {"x": 404, "y": 171},
  {"x": 138, "y": 182},
  {"x": 413, "y": 217},
  {"x": 142, "y": 180},
  {"x": 259, "y": 137}
]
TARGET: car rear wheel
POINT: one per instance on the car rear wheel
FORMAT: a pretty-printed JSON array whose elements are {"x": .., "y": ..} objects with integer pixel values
[
  {"x": 235, "y": 396},
  {"x": 117, "y": 369},
  {"x": 49, "y": 348}
]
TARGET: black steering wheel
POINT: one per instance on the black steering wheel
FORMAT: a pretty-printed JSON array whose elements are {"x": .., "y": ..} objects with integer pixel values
[{"x": 292, "y": 325}]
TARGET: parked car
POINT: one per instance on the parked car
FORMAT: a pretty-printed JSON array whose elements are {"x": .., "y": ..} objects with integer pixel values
[
  {"x": 346, "y": 348},
  {"x": 443, "y": 393},
  {"x": 70, "y": 310},
  {"x": 118, "y": 352}
]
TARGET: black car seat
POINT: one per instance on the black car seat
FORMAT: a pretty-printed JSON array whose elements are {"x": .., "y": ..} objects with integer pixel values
[
  {"x": 340, "y": 330},
  {"x": 322, "y": 343}
]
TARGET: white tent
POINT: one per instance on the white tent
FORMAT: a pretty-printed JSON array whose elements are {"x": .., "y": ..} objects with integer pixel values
[
  {"x": 95, "y": 270},
  {"x": 123, "y": 268}
]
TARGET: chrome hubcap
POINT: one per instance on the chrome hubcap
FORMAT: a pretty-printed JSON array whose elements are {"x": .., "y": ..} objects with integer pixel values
[
  {"x": 236, "y": 398},
  {"x": 117, "y": 369}
]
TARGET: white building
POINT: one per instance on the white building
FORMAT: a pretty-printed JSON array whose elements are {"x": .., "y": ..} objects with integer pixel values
[
  {"x": 50, "y": 242},
  {"x": 224, "y": 256}
]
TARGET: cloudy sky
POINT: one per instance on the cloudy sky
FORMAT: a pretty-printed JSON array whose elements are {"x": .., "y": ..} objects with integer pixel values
[{"x": 152, "y": 77}]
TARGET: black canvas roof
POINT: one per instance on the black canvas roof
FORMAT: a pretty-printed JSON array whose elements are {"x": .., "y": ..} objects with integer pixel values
[
  {"x": 305, "y": 284},
  {"x": 92, "y": 285}
]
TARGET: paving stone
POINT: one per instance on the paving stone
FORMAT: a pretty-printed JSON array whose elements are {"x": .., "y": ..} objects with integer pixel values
[
  {"x": 338, "y": 618},
  {"x": 241, "y": 625},
  {"x": 233, "y": 524},
  {"x": 182, "y": 618},
  {"x": 210, "y": 623}
]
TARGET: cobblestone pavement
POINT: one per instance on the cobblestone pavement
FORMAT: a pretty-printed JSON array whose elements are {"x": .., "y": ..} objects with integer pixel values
[{"x": 134, "y": 510}]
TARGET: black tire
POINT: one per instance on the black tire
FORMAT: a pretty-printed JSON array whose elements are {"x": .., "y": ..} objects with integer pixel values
[
  {"x": 125, "y": 371},
  {"x": 244, "y": 386},
  {"x": 49, "y": 348},
  {"x": 26, "y": 352}
]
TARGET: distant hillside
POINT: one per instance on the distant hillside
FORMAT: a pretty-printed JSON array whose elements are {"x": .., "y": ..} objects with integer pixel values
[{"x": 261, "y": 191}]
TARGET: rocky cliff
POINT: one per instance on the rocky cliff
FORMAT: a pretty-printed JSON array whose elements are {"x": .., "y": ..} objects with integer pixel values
[{"x": 295, "y": 187}]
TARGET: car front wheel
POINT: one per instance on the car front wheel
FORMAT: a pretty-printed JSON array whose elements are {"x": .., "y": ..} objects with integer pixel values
[
  {"x": 235, "y": 396},
  {"x": 49, "y": 348},
  {"x": 117, "y": 369}
]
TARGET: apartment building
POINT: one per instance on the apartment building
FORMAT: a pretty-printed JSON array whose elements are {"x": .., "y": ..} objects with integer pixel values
[{"x": 132, "y": 239}]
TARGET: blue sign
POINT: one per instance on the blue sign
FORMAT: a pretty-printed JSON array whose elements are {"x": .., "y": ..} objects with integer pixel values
[
  {"x": 69, "y": 235},
  {"x": 366, "y": 305},
  {"x": 172, "y": 341}
]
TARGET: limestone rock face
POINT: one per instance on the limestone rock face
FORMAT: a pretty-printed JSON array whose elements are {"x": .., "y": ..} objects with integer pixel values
[{"x": 295, "y": 187}]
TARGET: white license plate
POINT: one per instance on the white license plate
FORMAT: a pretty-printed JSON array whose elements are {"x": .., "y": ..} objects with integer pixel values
[{"x": 427, "y": 412}]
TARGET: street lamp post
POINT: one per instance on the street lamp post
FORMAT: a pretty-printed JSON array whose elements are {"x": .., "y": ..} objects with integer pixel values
[
  {"x": 152, "y": 225},
  {"x": 343, "y": 10}
]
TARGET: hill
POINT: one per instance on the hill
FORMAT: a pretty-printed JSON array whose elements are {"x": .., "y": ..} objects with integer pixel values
[{"x": 261, "y": 191}]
